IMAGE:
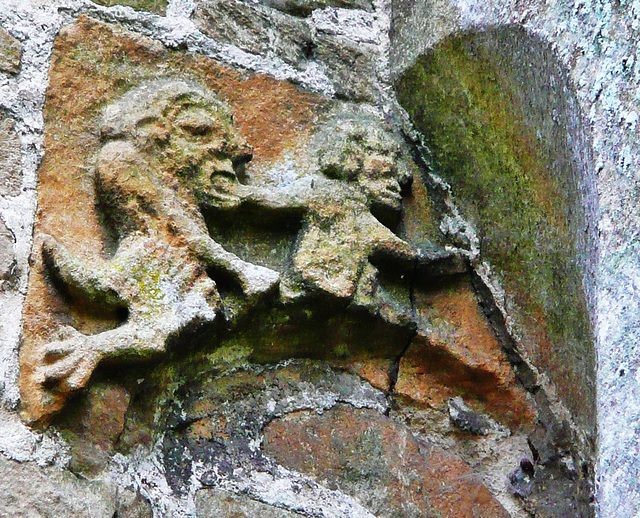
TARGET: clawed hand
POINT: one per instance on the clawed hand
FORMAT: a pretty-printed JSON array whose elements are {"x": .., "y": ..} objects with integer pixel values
[{"x": 70, "y": 361}]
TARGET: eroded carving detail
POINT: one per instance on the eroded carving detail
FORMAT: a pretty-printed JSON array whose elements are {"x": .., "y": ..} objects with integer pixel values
[{"x": 170, "y": 148}]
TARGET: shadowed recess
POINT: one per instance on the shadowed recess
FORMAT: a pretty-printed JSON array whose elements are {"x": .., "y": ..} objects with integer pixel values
[{"x": 503, "y": 128}]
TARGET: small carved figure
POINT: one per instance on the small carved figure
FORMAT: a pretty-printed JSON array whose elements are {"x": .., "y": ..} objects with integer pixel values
[
  {"x": 170, "y": 148},
  {"x": 357, "y": 182},
  {"x": 360, "y": 186}
]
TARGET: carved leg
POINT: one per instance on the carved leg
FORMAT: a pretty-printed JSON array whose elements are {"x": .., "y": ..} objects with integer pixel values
[
  {"x": 90, "y": 279},
  {"x": 71, "y": 361}
]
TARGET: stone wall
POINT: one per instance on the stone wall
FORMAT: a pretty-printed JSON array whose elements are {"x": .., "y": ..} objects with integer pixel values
[
  {"x": 317, "y": 258},
  {"x": 595, "y": 43}
]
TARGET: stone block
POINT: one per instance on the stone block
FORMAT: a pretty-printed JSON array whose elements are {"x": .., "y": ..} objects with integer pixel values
[
  {"x": 256, "y": 28},
  {"x": 10, "y": 159},
  {"x": 10, "y": 53},
  {"x": 27, "y": 489},
  {"x": 369, "y": 456}
]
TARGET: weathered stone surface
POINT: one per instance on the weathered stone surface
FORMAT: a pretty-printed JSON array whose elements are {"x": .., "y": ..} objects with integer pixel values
[
  {"x": 132, "y": 505},
  {"x": 380, "y": 463},
  {"x": 93, "y": 426},
  {"x": 142, "y": 160},
  {"x": 80, "y": 235},
  {"x": 128, "y": 180},
  {"x": 10, "y": 159},
  {"x": 348, "y": 55},
  {"x": 465, "y": 419},
  {"x": 456, "y": 353},
  {"x": 256, "y": 29},
  {"x": 549, "y": 491},
  {"x": 212, "y": 502},
  {"x": 210, "y": 410},
  {"x": 27, "y": 490},
  {"x": 483, "y": 106},
  {"x": 493, "y": 112},
  {"x": 158, "y": 6},
  {"x": 10, "y": 53},
  {"x": 350, "y": 65},
  {"x": 166, "y": 174},
  {"x": 7, "y": 253}
]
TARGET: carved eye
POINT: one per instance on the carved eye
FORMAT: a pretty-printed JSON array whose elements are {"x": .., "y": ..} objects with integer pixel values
[
  {"x": 150, "y": 127},
  {"x": 196, "y": 128},
  {"x": 196, "y": 121}
]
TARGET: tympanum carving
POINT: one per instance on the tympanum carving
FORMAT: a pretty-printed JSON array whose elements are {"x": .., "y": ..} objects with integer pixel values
[{"x": 169, "y": 151}]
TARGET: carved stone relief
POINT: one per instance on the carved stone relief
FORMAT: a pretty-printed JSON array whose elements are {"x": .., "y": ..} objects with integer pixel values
[
  {"x": 169, "y": 150},
  {"x": 169, "y": 147},
  {"x": 223, "y": 263}
]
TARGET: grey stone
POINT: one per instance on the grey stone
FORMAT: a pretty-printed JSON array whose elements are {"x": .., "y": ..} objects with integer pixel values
[
  {"x": 347, "y": 60},
  {"x": 10, "y": 159},
  {"x": 131, "y": 504},
  {"x": 29, "y": 491},
  {"x": 213, "y": 502},
  {"x": 304, "y": 7},
  {"x": 10, "y": 53},
  {"x": 256, "y": 29},
  {"x": 350, "y": 65},
  {"x": 548, "y": 491},
  {"x": 469, "y": 421},
  {"x": 7, "y": 254}
]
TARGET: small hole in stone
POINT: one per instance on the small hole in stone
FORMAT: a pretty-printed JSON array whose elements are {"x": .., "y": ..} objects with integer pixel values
[{"x": 621, "y": 373}]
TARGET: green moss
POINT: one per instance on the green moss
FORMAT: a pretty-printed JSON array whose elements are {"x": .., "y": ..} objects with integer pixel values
[
  {"x": 470, "y": 108},
  {"x": 333, "y": 334},
  {"x": 158, "y": 6}
]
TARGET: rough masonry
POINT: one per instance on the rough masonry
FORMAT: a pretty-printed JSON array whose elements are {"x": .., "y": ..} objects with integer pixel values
[{"x": 303, "y": 259}]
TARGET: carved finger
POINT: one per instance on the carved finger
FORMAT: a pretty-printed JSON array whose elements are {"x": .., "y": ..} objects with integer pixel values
[
  {"x": 80, "y": 376},
  {"x": 71, "y": 340},
  {"x": 258, "y": 279},
  {"x": 68, "y": 332},
  {"x": 56, "y": 351},
  {"x": 73, "y": 371},
  {"x": 56, "y": 372}
]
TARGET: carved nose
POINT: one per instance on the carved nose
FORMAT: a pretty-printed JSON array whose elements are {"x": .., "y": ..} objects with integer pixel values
[
  {"x": 405, "y": 177},
  {"x": 240, "y": 151},
  {"x": 222, "y": 167}
]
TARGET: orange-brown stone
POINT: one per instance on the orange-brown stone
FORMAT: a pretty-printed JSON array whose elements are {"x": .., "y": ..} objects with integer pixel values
[
  {"x": 375, "y": 370},
  {"x": 380, "y": 463},
  {"x": 95, "y": 422},
  {"x": 457, "y": 354},
  {"x": 94, "y": 63}
]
